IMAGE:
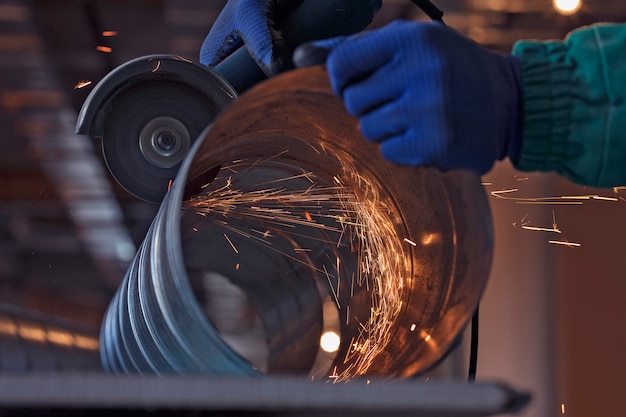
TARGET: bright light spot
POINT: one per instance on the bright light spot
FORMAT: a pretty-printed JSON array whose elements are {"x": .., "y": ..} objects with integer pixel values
[
  {"x": 413, "y": 326},
  {"x": 430, "y": 238},
  {"x": 329, "y": 342},
  {"x": 562, "y": 408},
  {"x": 567, "y": 7}
]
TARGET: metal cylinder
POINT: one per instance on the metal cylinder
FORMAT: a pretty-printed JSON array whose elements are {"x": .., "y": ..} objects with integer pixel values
[{"x": 288, "y": 244}]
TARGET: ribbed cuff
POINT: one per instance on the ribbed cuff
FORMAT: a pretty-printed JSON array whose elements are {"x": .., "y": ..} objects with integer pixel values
[{"x": 546, "y": 78}]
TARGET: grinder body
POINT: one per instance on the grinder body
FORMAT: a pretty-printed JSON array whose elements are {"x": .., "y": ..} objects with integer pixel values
[{"x": 150, "y": 110}]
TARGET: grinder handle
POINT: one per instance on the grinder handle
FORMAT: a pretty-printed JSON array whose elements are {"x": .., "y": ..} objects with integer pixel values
[{"x": 311, "y": 20}]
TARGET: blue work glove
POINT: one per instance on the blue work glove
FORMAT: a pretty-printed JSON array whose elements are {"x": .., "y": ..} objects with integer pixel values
[
  {"x": 427, "y": 94},
  {"x": 249, "y": 22}
]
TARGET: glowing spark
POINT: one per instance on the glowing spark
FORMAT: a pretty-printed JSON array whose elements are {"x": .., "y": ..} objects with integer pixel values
[
  {"x": 562, "y": 408},
  {"x": 231, "y": 243},
  {"x": 104, "y": 49},
  {"x": 599, "y": 197},
  {"x": 413, "y": 327},
  {"x": 307, "y": 215},
  {"x": 410, "y": 242},
  {"x": 555, "y": 200},
  {"x": 158, "y": 65},
  {"x": 169, "y": 185},
  {"x": 332, "y": 288},
  {"x": 619, "y": 190},
  {"x": 81, "y": 84},
  {"x": 334, "y": 375},
  {"x": 237, "y": 267},
  {"x": 500, "y": 192},
  {"x": 109, "y": 33},
  {"x": 182, "y": 58},
  {"x": 541, "y": 229},
  {"x": 564, "y": 243}
]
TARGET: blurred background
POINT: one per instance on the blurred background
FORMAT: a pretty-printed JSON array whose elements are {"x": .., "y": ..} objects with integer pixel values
[{"x": 553, "y": 317}]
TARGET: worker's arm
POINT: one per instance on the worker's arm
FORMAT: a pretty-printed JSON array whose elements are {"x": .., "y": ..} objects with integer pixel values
[
  {"x": 575, "y": 105},
  {"x": 259, "y": 25},
  {"x": 428, "y": 95}
]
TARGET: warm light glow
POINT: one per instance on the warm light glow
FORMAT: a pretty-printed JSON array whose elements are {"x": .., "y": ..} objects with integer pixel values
[
  {"x": 60, "y": 337},
  {"x": 88, "y": 343},
  {"x": 8, "y": 327},
  {"x": 430, "y": 238},
  {"x": 562, "y": 408},
  {"x": 567, "y": 7},
  {"x": 427, "y": 337},
  {"x": 329, "y": 342},
  {"x": 32, "y": 333}
]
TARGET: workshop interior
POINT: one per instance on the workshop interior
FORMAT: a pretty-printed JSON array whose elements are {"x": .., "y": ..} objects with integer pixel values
[{"x": 112, "y": 268}]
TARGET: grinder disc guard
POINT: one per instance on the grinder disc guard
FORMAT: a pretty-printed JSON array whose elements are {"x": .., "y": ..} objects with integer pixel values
[
  {"x": 149, "y": 130},
  {"x": 288, "y": 244}
]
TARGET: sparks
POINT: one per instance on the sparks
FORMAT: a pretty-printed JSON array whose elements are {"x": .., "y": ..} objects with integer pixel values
[
  {"x": 231, "y": 243},
  {"x": 410, "y": 242},
  {"x": 81, "y": 84},
  {"x": 338, "y": 217},
  {"x": 104, "y": 49},
  {"x": 541, "y": 229},
  {"x": 565, "y": 243},
  {"x": 554, "y": 200}
]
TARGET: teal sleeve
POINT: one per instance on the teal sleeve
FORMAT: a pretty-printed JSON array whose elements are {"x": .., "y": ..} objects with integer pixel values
[{"x": 574, "y": 105}]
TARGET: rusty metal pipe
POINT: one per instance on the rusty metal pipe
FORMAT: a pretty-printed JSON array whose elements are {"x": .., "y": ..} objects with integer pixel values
[{"x": 284, "y": 226}]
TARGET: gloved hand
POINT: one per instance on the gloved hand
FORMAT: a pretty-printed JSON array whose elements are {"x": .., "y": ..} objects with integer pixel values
[
  {"x": 249, "y": 22},
  {"x": 427, "y": 94}
]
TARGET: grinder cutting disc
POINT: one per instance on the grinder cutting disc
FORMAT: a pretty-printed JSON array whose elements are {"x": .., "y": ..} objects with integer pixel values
[{"x": 149, "y": 129}]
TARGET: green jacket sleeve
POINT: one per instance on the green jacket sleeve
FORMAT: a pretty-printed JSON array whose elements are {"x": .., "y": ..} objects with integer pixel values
[{"x": 574, "y": 98}]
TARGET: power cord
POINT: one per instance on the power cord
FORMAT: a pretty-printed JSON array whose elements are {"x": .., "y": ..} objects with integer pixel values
[{"x": 473, "y": 360}]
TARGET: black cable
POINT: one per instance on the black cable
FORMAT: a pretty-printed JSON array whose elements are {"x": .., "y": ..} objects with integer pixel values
[
  {"x": 473, "y": 361},
  {"x": 430, "y": 9}
]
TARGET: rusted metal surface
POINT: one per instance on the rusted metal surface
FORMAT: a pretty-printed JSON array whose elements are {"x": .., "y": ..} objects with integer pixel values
[{"x": 291, "y": 135}]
